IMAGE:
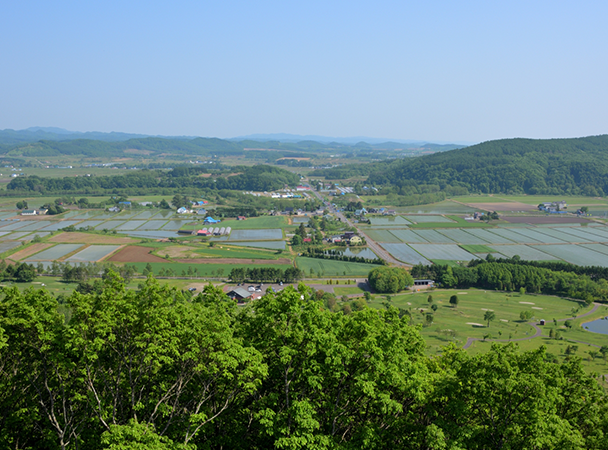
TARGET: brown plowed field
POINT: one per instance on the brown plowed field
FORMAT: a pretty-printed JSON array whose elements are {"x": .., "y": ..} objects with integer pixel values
[
  {"x": 541, "y": 220},
  {"x": 135, "y": 254},
  {"x": 85, "y": 238},
  {"x": 266, "y": 262},
  {"x": 32, "y": 249}
]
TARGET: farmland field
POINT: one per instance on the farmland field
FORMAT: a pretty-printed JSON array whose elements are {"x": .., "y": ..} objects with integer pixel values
[
  {"x": 524, "y": 252},
  {"x": 462, "y": 237},
  {"x": 577, "y": 254},
  {"x": 36, "y": 225},
  {"x": 110, "y": 224},
  {"x": 538, "y": 235},
  {"x": 434, "y": 237},
  {"x": 254, "y": 223},
  {"x": 130, "y": 225},
  {"x": 488, "y": 236},
  {"x": 408, "y": 236},
  {"x": 382, "y": 236},
  {"x": 443, "y": 251},
  {"x": 428, "y": 219},
  {"x": 600, "y": 248},
  {"x": 55, "y": 253},
  {"x": 388, "y": 220},
  {"x": 6, "y": 246},
  {"x": 272, "y": 245},
  {"x": 513, "y": 236},
  {"x": 256, "y": 235},
  {"x": 92, "y": 253},
  {"x": 582, "y": 233},
  {"x": 330, "y": 268},
  {"x": 564, "y": 237},
  {"x": 153, "y": 225},
  {"x": 405, "y": 253}
]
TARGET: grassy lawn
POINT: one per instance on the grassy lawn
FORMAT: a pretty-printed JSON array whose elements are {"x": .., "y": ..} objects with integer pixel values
[
  {"x": 330, "y": 268},
  {"x": 467, "y": 319},
  {"x": 254, "y": 223},
  {"x": 244, "y": 253}
]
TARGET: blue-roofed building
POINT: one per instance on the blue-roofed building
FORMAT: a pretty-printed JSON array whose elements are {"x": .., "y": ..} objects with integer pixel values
[{"x": 210, "y": 219}]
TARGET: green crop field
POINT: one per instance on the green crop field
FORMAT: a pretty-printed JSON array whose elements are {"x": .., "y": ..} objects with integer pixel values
[
  {"x": 330, "y": 268},
  {"x": 467, "y": 319},
  {"x": 477, "y": 248}
]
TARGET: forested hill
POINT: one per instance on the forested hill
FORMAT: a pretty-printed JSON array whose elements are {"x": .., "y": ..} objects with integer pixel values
[{"x": 552, "y": 166}]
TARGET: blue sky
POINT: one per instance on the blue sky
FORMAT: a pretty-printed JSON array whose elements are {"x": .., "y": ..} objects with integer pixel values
[{"x": 434, "y": 70}]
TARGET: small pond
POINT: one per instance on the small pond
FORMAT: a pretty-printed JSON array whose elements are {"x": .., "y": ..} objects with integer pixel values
[{"x": 597, "y": 326}]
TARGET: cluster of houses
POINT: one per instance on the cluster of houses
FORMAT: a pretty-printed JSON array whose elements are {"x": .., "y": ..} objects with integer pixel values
[
  {"x": 349, "y": 237},
  {"x": 553, "y": 207},
  {"x": 196, "y": 208}
]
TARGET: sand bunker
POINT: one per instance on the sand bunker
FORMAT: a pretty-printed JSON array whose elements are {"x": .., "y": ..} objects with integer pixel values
[
  {"x": 486, "y": 309},
  {"x": 526, "y": 303},
  {"x": 536, "y": 307},
  {"x": 476, "y": 324},
  {"x": 503, "y": 320},
  {"x": 462, "y": 293}
]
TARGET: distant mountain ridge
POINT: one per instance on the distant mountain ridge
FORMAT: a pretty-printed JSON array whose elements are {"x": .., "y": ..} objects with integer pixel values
[{"x": 49, "y": 141}]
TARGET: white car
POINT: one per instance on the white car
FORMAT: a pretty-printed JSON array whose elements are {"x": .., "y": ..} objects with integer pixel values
[{"x": 251, "y": 289}]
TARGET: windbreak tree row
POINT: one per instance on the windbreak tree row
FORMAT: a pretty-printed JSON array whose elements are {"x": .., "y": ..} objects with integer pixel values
[{"x": 155, "y": 368}]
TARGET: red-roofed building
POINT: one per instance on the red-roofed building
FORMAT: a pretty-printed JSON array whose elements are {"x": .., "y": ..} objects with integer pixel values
[{"x": 307, "y": 240}]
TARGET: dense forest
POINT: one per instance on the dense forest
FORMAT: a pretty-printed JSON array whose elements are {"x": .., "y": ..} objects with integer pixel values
[
  {"x": 158, "y": 369},
  {"x": 257, "y": 178},
  {"x": 510, "y": 166}
]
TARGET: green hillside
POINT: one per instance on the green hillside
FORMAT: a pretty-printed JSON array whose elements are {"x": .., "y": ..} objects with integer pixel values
[{"x": 511, "y": 166}]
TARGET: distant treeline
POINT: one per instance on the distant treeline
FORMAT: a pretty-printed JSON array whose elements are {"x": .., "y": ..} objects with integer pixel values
[
  {"x": 510, "y": 275},
  {"x": 258, "y": 178},
  {"x": 337, "y": 255},
  {"x": 265, "y": 274}
]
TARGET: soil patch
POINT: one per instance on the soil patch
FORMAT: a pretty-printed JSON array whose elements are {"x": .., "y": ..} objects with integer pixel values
[
  {"x": 266, "y": 262},
  {"x": 503, "y": 206},
  {"x": 32, "y": 249},
  {"x": 541, "y": 220},
  {"x": 85, "y": 238},
  {"x": 135, "y": 254}
]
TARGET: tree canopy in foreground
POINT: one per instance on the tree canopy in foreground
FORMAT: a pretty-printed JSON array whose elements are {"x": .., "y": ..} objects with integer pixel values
[{"x": 155, "y": 368}]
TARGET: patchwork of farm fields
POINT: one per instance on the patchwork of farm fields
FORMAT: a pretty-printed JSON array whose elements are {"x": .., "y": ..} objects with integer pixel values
[{"x": 575, "y": 243}]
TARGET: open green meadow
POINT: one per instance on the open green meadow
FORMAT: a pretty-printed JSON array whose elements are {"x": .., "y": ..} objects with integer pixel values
[
  {"x": 330, "y": 268},
  {"x": 451, "y": 324}
]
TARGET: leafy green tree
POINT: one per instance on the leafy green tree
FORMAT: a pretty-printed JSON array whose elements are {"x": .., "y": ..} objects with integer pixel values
[
  {"x": 454, "y": 300},
  {"x": 387, "y": 279},
  {"x": 488, "y": 317}
]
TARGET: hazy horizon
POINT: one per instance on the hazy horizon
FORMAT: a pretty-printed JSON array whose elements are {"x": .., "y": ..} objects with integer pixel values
[{"x": 437, "y": 72}]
